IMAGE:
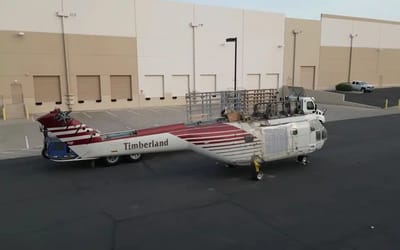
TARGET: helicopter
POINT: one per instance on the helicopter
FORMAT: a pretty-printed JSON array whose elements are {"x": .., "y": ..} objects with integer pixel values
[{"x": 238, "y": 128}]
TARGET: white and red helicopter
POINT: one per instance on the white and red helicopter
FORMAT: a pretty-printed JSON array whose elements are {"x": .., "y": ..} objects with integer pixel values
[{"x": 252, "y": 128}]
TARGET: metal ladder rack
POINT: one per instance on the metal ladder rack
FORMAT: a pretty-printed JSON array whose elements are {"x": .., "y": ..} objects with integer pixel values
[{"x": 203, "y": 106}]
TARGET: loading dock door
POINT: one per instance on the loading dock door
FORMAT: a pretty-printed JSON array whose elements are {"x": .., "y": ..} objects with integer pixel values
[
  {"x": 207, "y": 83},
  {"x": 179, "y": 85},
  {"x": 153, "y": 85},
  {"x": 47, "y": 89},
  {"x": 271, "y": 81},
  {"x": 121, "y": 87},
  {"x": 307, "y": 77},
  {"x": 89, "y": 88},
  {"x": 253, "y": 81},
  {"x": 16, "y": 93}
]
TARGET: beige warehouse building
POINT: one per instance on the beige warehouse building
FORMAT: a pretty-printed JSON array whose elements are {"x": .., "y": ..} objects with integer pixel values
[
  {"x": 323, "y": 47},
  {"x": 133, "y": 53}
]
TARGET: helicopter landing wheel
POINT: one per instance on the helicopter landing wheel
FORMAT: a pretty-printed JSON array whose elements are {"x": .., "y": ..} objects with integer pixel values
[
  {"x": 303, "y": 159},
  {"x": 258, "y": 174}
]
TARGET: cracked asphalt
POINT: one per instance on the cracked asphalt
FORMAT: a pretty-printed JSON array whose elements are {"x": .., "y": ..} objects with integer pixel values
[{"x": 347, "y": 198}]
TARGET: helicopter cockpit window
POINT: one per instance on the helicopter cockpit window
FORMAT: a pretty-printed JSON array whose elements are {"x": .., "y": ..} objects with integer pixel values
[
  {"x": 324, "y": 134},
  {"x": 318, "y": 135},
  {"x": 310, "y": 106}
]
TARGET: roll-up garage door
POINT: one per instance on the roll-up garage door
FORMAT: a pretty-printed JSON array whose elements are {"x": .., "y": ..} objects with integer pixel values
[
  {"x": 307, "y": 77},
  {"x": 121, "y": 87},
  {"x": 271, "y": 81},
  {"x": 253, "y": 81},
  {"x": 47, "y": 89},
  {"x": 179, "y": 85},
  {"x": 88, "y": 88},
  {"x": 207, "y": 83},
  {"x": 153, "y": 85}
]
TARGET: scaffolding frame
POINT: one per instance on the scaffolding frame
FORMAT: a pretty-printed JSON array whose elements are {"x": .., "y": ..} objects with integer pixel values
[{"x": 205, "y": 106}]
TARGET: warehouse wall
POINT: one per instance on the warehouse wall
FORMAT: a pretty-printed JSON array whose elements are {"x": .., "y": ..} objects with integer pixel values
[
  {"x": 152, "y": 52},
  {"x": 151, "y": 42},
  {"x": 307, "y": 52},
  {"x": 376, "y": 51},
  {"x": 100, "y": 41},
  {"x": 182, "y": 46}
]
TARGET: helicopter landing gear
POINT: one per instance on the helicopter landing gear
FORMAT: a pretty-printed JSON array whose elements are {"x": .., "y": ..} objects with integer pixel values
[
  {"x": 256, "y": 162},
  {"x": 303, "y": 159}
]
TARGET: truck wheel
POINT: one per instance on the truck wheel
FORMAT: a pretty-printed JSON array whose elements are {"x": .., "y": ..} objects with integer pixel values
[
  {"x": 45, "y": 154},
  {"x": 133, "y": 157},
  {"x": 111, "y": 160}
]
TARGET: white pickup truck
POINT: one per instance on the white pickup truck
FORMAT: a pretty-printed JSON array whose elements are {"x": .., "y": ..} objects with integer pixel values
[{"x": 362, "y": 86}]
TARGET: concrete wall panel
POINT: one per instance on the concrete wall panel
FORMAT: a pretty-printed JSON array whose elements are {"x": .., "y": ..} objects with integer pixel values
[
  {"x": 214, "y": 56},
  {"x": 263, "y": 42},
  {"x": 100, "y": 17},
  {"x": 22, "y": 15},
  {"x": 369, "y": 33},
  {"x": 164, "y": 40},
  {"x": 307, "y": 48}
]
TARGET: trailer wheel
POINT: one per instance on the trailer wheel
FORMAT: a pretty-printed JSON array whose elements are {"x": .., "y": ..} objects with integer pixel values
[
  {"x": 45, "y": 154},
  {"x": 111, "y": 160},
  {"x": 133, "y": 157}
]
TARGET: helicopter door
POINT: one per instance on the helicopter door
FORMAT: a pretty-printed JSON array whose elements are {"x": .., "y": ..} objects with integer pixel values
[
  {"x": 275, "y": 141},
  {"x": 300, "y": 137}
]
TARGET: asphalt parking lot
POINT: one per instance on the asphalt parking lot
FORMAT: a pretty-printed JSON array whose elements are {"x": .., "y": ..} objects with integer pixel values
[
  {"x": 376, "y": 98},
  {"x": 347, "y": 198}
]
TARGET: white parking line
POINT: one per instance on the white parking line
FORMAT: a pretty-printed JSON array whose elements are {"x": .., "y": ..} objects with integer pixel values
[
  {"x": 87, "y": 115},
  {"x": 155, "y": 111},
  {"x": 135, "y": 113},
  {"x": 173, "y": 109},
  {"x": 111, "y": 114},
  {"x": 26, "y": 142}
]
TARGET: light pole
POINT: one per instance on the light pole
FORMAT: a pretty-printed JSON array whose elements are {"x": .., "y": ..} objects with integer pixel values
[
  {"x": 352, "y": 36},
  {"x": 295, "y": 33},
  {"x": 234, "y": 39},
  {"x": 194, "y": 26}
]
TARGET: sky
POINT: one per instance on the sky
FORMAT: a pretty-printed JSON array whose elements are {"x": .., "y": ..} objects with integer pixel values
[{"x": 312, "y": 9}]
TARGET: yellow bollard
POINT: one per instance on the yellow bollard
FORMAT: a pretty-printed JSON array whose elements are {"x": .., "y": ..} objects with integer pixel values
[
  {"x": 386, "y": 103},
  {"x": 26, "y": 112},
  {"x": 4, "y": 114}
]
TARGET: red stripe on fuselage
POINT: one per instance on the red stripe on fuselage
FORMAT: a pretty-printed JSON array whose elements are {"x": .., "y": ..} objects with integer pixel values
[
  {"x": 72, "y": 135},
  {"x": 218, "y": 141},
  {"x": 85, "y": 141}
]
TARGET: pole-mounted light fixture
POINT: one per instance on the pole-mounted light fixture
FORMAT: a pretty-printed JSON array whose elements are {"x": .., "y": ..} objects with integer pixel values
[
  {"x": 295, "y": 33},
  {"x": 352, "y": 36},
  {"x": 228, "y": 40}
]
